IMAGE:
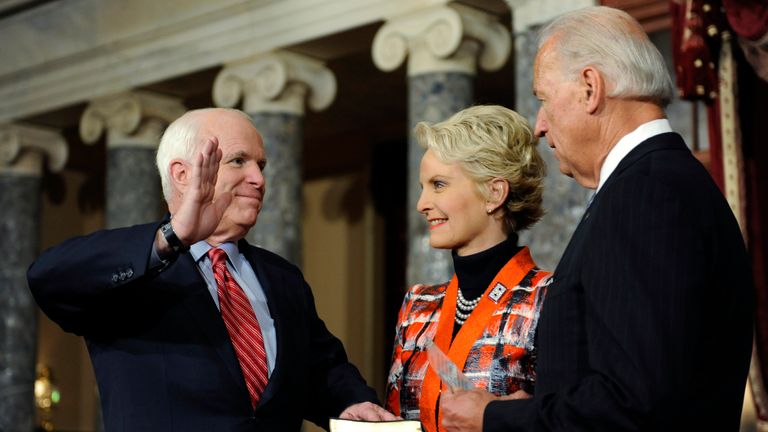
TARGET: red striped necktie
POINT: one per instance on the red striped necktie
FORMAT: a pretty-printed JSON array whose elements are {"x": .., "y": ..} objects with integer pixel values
[{"x": 242, "y": 326}]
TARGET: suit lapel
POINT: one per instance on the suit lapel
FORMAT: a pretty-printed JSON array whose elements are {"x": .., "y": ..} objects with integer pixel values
[{"x": 197, "y": 300}]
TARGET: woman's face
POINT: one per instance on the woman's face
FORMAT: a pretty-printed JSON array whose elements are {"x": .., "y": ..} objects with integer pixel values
[{"x": 456, "y": 212}]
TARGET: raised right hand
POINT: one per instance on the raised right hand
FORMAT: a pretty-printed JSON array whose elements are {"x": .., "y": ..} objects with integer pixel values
[{"x": 200, "y": 211}]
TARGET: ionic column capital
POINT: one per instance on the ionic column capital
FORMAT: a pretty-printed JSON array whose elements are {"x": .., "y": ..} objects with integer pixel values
[
  {"x": 278, "y": 81},
  {"x": 133, "y": 117},
  {"x": 442, "y": 39},
  {"x": 22, "y": 148}
]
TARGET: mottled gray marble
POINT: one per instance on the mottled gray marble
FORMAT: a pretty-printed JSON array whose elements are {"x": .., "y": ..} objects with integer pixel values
[
  {"x": 278, "y": 228},
  {"x": 19, "y": 219},
  {"x": 525, "y": 53},
  {"x": 134, "y": 195},
  {"x": 564, "y": 200},
  {"x": 432, "y": 98}
]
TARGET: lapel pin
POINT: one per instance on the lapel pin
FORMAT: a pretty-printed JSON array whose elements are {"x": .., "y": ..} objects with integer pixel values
[{"x": 497, "y": 292}]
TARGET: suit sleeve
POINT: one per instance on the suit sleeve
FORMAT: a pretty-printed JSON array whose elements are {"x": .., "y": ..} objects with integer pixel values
[
  {"x": 80, "y": 281},
  {"x": 645, "y": 309}
]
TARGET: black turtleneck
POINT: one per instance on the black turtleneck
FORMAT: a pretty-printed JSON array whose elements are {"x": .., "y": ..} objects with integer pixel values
[{"x": 475, "y": 272}]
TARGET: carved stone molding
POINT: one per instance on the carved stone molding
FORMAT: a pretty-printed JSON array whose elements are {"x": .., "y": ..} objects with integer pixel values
[
  {"x": 529, "y": 13},
  {"x": 276, "y": 82},
  {"x": 22, "y": 148},
  {"x": 124, "y": 116},
  {"x": 127, "y": 45},
  {"x": 442, "y": 39}
]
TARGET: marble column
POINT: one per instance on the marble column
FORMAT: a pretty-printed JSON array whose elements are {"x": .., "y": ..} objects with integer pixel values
[
  {"x": 273, "y": 88},
  {"x": 133, "y": 122},
  {"x": 22, "y": 150},
  {"x": 444, "y": 45},
  {"x": 564, "y": 200}
]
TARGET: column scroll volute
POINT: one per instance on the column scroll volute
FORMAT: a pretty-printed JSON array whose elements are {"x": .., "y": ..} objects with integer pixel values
[
  {"x": 438, "y": 38},
  {"x": 495, "y": 39},
  {"x": 120, "y": 113},
  {"x": 123, "y": 113},
  {"x": 22, "y": 148},
  {"x": 276, "y": 81}
]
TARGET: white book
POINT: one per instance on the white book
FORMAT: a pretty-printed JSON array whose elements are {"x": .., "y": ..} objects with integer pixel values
[{"x": 340, "y": 425}]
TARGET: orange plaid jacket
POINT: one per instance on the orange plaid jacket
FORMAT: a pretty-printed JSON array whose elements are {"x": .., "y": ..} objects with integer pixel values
[{"x": 499, "y": 361}]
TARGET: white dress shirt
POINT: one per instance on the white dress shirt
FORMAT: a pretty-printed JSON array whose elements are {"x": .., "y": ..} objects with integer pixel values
[{"x": 245, "y": 276}]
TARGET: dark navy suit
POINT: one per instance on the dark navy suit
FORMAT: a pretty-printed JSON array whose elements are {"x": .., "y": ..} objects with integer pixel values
[
  {"x": 648, "y": 323},
  {"x": 160, "y": 350}
]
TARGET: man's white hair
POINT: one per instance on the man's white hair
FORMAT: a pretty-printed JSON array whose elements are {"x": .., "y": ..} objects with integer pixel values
[
  {"x": 614, "y": 43},
  {"x": 181, "y": 141}
]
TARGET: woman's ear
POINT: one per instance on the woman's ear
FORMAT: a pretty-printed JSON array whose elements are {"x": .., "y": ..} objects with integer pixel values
[
  {"x": 594, "y": 88},
  {"x": 499, "y": 191}
]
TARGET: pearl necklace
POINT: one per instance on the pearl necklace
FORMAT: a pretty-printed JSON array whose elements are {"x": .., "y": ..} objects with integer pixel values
[{"x": 464, "y": 307}]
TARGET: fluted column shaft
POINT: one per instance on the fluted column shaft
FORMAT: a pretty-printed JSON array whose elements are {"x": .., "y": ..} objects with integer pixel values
[
  {"x": 22, "y": 151},
  {"x": 444, "y": 44},
  {"x": 134, "y": 123},
  {"x": 274, "y": 88}
]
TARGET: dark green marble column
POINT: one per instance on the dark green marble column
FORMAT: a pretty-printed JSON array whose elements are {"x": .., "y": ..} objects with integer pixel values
[
  {"x": 564, "y": 200},
  {"x": 133, "y": 188},
  {"x": 19, "y": 238},
  {"x": 432, "y": 97},
  {"x": 444, "y": 46},
  {"x": 23, "y": 148},
  {"x": 278, "y": 228},
  {"x": 275, "y": 88},
  {"x": 133, "y": 122}
]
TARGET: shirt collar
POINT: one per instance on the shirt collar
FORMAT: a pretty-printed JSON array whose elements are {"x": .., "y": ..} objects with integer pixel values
[
  {"x": 200, "y": 250},
  {"x": 628, "y": 143}
]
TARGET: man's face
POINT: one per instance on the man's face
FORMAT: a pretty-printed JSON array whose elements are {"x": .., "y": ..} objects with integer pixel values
[
  {"x": 240, "y": 171},
  {"x": 562, "y": 118}
]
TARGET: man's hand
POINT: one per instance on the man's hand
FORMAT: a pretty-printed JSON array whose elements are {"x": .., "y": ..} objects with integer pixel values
[
  {"x": 520, "y": 394},
  {"x": 463, "y": 409},
  {"x": 198, "y": 213},
  {"x": 367, "y": 411}
]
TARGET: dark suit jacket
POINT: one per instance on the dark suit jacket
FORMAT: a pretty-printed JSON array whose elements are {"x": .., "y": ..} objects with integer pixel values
[
  {"x": 160, "y": 350},
  {"x": 648, "y": 324}
]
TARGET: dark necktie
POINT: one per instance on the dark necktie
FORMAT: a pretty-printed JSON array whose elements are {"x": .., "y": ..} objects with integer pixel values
[{"x": 242, "y": 325}]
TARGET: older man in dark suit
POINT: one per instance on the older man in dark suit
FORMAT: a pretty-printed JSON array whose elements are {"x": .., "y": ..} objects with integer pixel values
[
  {"x": 648, "y": 324},
  {"x": 188, "y": 326}
]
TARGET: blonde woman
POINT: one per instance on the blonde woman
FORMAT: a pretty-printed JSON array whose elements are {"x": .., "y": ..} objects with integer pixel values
[{"x": 481, "y": 179}]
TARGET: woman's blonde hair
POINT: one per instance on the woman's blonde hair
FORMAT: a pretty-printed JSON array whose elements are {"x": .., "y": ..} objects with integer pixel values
[{"x": 490, "y": 141}]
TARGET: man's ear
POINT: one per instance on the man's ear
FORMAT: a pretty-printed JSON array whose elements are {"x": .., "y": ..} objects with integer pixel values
[
  {"x": 594, "y": 88},
  {"x": 179, "y": 175},
  {"x": 499, "y": 190}
]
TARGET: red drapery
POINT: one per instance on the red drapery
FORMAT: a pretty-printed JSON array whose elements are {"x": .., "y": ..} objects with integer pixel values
[
  {"x": 711, "y": 67},
  {"x": 708, "y": 39}
]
